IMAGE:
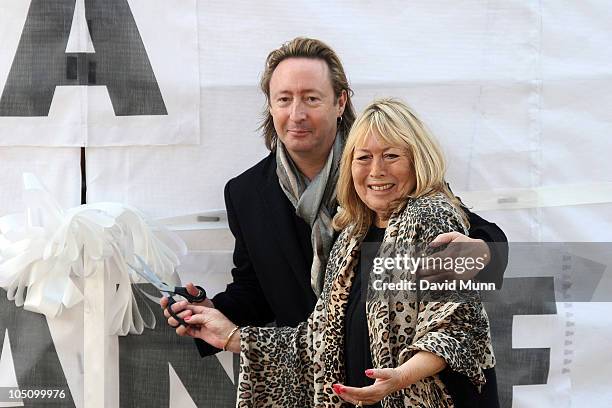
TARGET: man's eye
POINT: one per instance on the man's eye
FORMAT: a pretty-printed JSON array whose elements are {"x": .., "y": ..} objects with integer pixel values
[
  {"x": 312, "y": 99},
  {"x": 283, "y": 99}
]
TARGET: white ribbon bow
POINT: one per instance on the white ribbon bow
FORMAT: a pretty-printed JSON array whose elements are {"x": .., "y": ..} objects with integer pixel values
[{"x": 46, "y": 253}]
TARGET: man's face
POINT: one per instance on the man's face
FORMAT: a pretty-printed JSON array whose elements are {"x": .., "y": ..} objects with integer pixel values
[{"x": 303, "y": 107}]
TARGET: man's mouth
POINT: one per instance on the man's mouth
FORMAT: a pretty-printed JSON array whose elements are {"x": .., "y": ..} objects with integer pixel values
[
  {"x": 298, "y": 131},
  {"x": 380, "y": 187}
]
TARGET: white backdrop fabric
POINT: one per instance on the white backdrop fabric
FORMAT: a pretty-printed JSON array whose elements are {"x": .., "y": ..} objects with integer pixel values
[
  {"x": 518, "y": 93},
  {"x": 58, "y": 168}
]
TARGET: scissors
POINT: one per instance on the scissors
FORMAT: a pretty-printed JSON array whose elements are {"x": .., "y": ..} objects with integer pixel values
[{"x": 147, "y": 274}]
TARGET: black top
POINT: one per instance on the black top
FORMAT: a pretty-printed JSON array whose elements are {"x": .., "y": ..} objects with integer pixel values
[{"x": 357, "y": 356}]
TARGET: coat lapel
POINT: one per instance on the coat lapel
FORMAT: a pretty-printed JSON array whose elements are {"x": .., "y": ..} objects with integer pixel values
[{"x": 279, "y": 217}]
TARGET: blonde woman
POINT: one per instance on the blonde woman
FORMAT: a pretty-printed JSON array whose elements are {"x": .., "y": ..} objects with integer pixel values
[{"x": 384, "y": 351}]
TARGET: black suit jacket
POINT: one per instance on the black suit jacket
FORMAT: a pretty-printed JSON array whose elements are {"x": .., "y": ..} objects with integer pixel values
[{"x": 272, "y": 253}]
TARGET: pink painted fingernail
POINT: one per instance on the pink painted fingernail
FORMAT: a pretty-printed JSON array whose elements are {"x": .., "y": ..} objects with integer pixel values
[
  {"x": 369, "y": 372},
  {"x": 337, "y": 388},
  {"x": 187, "y": 318}
]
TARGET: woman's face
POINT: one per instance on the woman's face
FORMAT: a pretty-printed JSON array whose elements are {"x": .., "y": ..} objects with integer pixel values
[{"x": 381, "y": 175}]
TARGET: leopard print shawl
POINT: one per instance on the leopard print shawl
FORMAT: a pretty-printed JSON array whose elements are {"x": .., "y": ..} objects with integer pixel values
[{"x": 296, "y": 367}]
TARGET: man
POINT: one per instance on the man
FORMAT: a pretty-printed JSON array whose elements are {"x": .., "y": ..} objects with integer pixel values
[{"x": 280, "y": 210}]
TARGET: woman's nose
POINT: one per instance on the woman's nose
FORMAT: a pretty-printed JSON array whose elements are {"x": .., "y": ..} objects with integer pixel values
[{"x": 378, "y": 167}]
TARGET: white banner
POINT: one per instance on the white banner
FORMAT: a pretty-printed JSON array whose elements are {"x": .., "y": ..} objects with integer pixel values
[{"x": 518, "y": 94}]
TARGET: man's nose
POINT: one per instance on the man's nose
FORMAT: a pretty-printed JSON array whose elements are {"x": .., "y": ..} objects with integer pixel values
[{"x": 298, "y": 111}]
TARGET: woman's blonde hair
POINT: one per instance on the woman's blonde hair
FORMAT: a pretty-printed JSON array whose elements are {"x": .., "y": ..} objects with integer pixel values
[{"x": 395, "y": 123}]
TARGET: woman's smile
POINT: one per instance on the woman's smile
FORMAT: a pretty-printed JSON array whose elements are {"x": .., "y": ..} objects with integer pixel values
[{"x": 381, "y": 187}]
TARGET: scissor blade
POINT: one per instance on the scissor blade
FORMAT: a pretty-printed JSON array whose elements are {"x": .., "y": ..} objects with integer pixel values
[
  {"x": 147, "y": 274},
  {"x": 146, "y": 277}
]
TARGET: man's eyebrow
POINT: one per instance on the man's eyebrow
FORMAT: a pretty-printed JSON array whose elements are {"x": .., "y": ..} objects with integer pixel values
[
  {"x": 301, "y": 91},
  {"x": 281, "y": 92},
  {"x": 317, "y": 91}
]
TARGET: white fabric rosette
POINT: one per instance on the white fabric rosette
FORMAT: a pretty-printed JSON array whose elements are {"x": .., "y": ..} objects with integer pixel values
[{"x": 47, "y": 252}]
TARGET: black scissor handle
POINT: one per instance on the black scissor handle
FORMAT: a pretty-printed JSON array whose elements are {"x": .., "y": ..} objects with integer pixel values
[
  {"x": 182, "y": 291},
  {"x": 180, "y": 321}
]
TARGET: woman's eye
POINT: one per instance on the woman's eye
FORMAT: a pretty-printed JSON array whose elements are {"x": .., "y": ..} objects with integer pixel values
[
  {"x": 362, "y": 158},
  {"x": 391, "y": 156}
]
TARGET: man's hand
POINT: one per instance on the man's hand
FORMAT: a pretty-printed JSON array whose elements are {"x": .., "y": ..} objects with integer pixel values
[{"x": 469, "y": 256}]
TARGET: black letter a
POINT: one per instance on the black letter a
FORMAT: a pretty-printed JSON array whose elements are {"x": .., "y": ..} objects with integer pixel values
[{"x": 120, "y": 62}]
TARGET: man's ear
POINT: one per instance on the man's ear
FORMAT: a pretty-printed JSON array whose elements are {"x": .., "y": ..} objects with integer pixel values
[{"x": 342, "y": 102}]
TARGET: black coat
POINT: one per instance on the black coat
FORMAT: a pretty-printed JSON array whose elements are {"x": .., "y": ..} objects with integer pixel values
[{"x": 273, "y": 255}]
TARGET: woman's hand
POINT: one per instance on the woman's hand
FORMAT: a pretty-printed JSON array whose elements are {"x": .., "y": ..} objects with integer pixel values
[
  {"x": 181, "y": 311},
  {"x": 207, "y": 324},
  {"x": 388, "y": 380}
]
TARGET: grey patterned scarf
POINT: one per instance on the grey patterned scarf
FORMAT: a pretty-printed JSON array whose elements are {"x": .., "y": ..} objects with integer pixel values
[{"x": 314, "y": 202}]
